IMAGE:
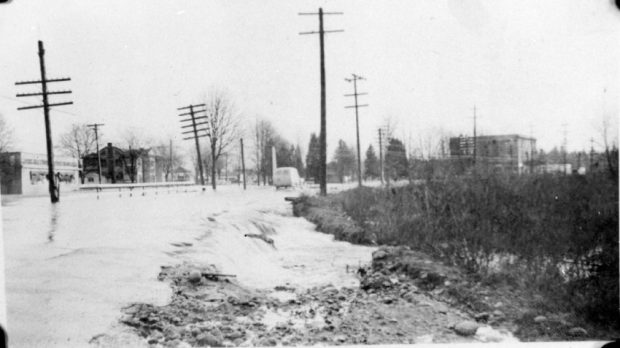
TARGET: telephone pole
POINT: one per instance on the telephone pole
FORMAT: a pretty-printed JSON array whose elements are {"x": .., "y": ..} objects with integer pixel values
[
  {"x": 381, "y": 153},
  {"x": 171, "y": 165},
  {"x": 200, "y": 116},
  {"x": 54, "y": 189},
  {"x": 354, "y": 79},
  {"x": 323, "y": 135},
  {"x": 95, "y": 127},
  {"x": 475, "y": 145},
  {"x": 564, "y": 145},
  {"x": 242, "y": 163}
]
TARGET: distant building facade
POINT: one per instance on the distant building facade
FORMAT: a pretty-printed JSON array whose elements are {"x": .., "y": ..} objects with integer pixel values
[
  {"x": 26, "y": 173},
  {"x": 123, "y": 166},
  {"x": 509, "y": 153}
]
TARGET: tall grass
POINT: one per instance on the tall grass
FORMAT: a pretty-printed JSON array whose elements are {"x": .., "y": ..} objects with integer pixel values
[{"x": 557, "y": 235}]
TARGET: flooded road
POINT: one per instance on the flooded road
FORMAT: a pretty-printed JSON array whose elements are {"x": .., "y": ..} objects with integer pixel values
[{"x": 70, "y": 267}]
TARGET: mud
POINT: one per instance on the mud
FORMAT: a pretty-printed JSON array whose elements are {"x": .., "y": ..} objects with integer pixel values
[{"x": 393, "y": 304}]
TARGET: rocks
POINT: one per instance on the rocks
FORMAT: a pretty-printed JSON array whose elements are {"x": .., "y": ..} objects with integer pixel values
[
  {"x": 482, "y": 317},
  {"x": 578, "y": 332},
  {"x": 194, "y": 276},
  {"x": 379, "y": 254},
  {"x": 540, "y": 319},
  {"x": 424, "y": 339},
  {"x": 466, "y": 328},
  {"x": 340, "y": 338},
  {"x": 267, "y": 342},
  {"x": 207, "y": 339}
]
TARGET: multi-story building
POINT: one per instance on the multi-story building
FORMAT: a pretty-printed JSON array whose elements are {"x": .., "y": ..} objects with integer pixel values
[
  {"x": 26, "y": 173},
  {"x": 511, "y": 153},
  {"x": 122, "y": 166}
]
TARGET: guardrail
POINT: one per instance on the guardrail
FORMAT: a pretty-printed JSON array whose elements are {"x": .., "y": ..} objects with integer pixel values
[{"x": 136, "y": 185}]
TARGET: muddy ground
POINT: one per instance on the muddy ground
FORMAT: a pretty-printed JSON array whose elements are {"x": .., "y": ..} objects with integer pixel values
[{"x": 395, "y": 303}]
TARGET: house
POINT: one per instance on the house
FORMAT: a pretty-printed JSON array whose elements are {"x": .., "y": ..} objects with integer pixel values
[
  {"x": 181, "y": 174},
  {"x": 509, "y": 153},
  {"x": 123, "y": 166},
  {"x": 26, "y": 173}
]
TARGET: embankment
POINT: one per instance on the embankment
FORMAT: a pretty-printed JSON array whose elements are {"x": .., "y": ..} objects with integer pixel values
[{"x": 542, "y": 250}]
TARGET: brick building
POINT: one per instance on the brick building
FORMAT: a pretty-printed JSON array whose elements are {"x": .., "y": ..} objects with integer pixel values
[{"x": 510, "y": 153}]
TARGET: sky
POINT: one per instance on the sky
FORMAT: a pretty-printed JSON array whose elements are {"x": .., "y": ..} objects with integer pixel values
[{"x": 529, "y": 67}]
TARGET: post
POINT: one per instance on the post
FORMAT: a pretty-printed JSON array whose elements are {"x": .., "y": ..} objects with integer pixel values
[
  {"x": 54, "y": 194},
  {"x": 242, "y": 163}
]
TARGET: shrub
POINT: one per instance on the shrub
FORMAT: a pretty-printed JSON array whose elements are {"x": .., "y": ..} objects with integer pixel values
[{"x": 559, "y": 233}]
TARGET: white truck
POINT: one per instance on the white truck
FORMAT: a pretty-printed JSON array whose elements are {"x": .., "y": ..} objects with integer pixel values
[{"x": 286, "y": 177}]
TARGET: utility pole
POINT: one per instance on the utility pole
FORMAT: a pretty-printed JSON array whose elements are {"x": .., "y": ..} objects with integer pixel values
[
  {"x": 591, "y": 153},
  {"x": 54, "y": 189},
  {"x": 274, "y": 164},
  {"x": 193, "y": 116},
  {"x": 564, "y": 145},
  {"x": 95, "y": 127},
  {"x": 475, "y": 145},
  {"x": 171, "y": 165},
  {"x": 381, "y": 154},
  {"x": 323, "y": 135},
  {"x": 242, "y": 163},
  {"x": 357, "y": 124}
]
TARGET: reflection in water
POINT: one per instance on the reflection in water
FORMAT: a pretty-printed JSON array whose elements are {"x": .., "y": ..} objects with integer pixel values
[{"x": 53, "y": 222}]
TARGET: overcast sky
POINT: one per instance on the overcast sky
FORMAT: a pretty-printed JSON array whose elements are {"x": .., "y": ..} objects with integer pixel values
[{"x": 528, "y": 66}]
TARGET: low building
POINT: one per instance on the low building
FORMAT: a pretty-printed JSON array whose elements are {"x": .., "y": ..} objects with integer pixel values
[
  {"x": 509, "y": 153},
  {"x": 26, "y": 173}
]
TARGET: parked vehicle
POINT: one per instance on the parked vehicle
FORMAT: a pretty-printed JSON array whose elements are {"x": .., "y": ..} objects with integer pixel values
[{"x": 286, "y": 177}]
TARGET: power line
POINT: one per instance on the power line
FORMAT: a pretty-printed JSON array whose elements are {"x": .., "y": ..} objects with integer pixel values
[
  {"x": 192, "y": 113},
  {"x": 354, "y": 79},
  {"x": 54, "y": 188},
  {"x": 95, "y": 127},
  {"x": 323, "y": 135}
]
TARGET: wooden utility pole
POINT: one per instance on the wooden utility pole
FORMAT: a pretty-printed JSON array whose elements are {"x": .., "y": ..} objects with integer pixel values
[
  {"x": 323, "y": 135},
  {"x": 274, "y": 164},
  {"x": 381, "y": 153},
  {"x": 54, "y": 189},
  {"x": 171, "y": 164},
  {"x": 564, "y": 148},
  {"x": 242, "y": 163},
  {"x": 193, "y": 116},
  {"x": 475, "y": 145},
  {"x": 95, "y": 127},
  {"x": 357, "y": 124}
]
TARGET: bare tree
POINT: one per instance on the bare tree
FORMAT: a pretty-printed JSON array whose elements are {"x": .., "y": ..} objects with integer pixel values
[
  {"x": 6, "y": 135},
  {"x": 170, "y": 158},
  {"x": 78, "y": 141},
  {"x": 223, "y": 126},
  {"x": 138, "y": 145}
]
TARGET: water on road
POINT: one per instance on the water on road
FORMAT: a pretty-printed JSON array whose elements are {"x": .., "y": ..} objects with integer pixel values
[{"x": 71, "y": 266}]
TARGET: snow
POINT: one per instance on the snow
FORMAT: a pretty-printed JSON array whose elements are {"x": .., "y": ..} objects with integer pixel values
[{"x": 71, "y": 267}]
